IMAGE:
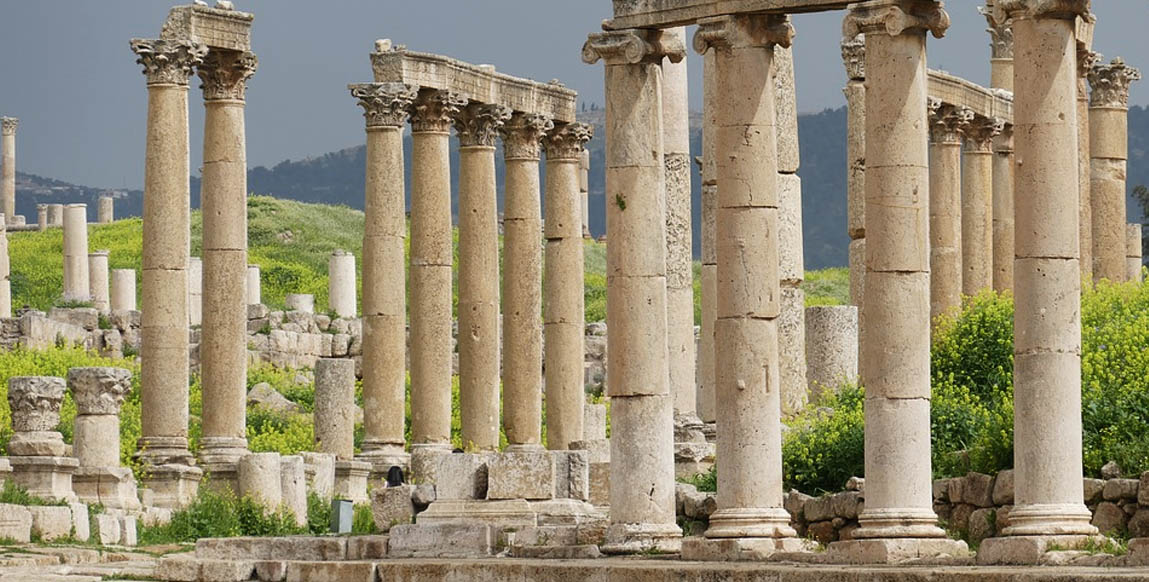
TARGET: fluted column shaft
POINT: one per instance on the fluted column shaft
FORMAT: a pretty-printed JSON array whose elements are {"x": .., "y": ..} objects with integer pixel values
[
  {"x": 8, "y": 127},
  {"x": 1109, "y": 152},
  {"x": 223, "y": 350},
  {"x": 707, "y": 372},
  {"x": 977, "y": 205},
  {"x": 945, "y": 208},
  {"x": 1047, "y": 285}
]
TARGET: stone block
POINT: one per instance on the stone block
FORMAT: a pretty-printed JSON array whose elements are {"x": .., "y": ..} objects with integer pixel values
[
  {"x": 128, "y": 531},
  {"x": 741, "y": 550},
  {"x": 941, "y": 490},
  {"x": 1118, "y": 489},
  {"x": 47, "y": 477},
  {"x": 506, "y": 513},
  {"x": 351, "y": 480},
  {"x": 366, "y": 547},
  {"x": 699, "y": 505},
  {"x": 392, "y": 506},
  {"x": 822, "y": 532},
  {"x": 892, "y": 551},
  {"x": 460, "y": 476},
  {"x": 85, "y": 317},
  {"x": 1138, "y": 525},
  {"x": 1111, "y": 470},
  {"x": 847, "y": 504},
  {"x": 226, "y": 570},
  {"x": 320, "y": 471},
  {"x": 1026, "y": 550},
  {"x": 423, "y": 495},
  {"x": 959, "y": 515},
  {"x": 331, "y": 572},
  {"x": 1003, "y": 488},
  {"x": 521, "y": 475},
  {"x": 81, "y": 522},
  {"x": 982, "y": 524},
  {"x": 178, "y": 568},
  {"x": 108, "y": 527},
  {"x": 15, "y": 523},
  {"x": 795, "y": 503},
  {"x": 1143, "y": 490},
  {"x": 572, "y": 474},
  {"x": 257, "y": 311},
  {"x": 1092, "y": 490},
  {"x": 600, "y": 483},
  {"x": 594, "y": 422},
  {"x": 271, "y": 571},
  {"x": 446, "y": 540},
  {"x": 598, "y": 451},
  {"x": 282, "y": 548},
  {"x": 50, "y": 522},
  {"x": 819, "y": 509},
  {"x": 1109, "y": 518},
  {"x": 974, "y": 489}
]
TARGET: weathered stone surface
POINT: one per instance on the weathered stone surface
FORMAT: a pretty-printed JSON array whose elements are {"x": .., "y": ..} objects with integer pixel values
[
  {"x": 81, "y": 522},
  {"x": 982, "y": 524},
  {"x": 15, "y": 523},
  {"x": 447, "y": 540},
  {"x": 741, "y": 550},
  {"x": 461, "y": 476},
  {"x": 526, "y": 475},
  {"x": 1092, "y": 489},
  {"x": 51, "y": 522},
  {"x": 975, "y": 489},
  {"x": 1117, "y": 489},
  {"x": 1143, "y": 489},
  {"x": 35, "y": 402},
  {"x": 262, "y": 394},
  {"x": 99, "y": 390},
  {"x": 392, "y": 506},
  {"x": 109, "y": 527},
  {"x": 1111, "y": 470},
  {"x": 1003, "y": 488},
  {"x": 283, "y": 548},
  {"x": 1109, "y": 518},
  {"x": 819, "y": 509},
  {"x": 331, "y": 572},
  {"x": 226, "y": 570},
  {"x": 847, "y": 504},
  {"x": 373, "y": 547},
  {"x": 1139, "y": 524},
  {"x": 892, "y": 551},
  {"x": 594, "y": 422}
]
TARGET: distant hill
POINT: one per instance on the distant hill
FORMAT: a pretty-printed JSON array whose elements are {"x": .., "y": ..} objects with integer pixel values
[{"x": 338, "y": 178}]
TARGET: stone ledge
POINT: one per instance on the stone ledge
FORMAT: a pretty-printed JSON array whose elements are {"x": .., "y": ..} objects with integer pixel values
[
  {"x": 741, "y": 549},
  {"x": 898, "y": 550}
]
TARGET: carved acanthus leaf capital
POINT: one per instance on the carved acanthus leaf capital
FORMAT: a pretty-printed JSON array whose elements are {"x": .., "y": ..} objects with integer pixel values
[
  {"x": 948, "y": 122},
  {"x": 99, "y": 390},
  {"x": 522, "y": 135},
  {"x": 168, "y": 62},
  {"x": 224, "y": 74},
  {"x": 854, "y": 57},
  {"x": 751, "y": 30},
  {"x": 980, "y": 132},
  {"x": 433, "y": 110},
  {"x": 1041, "y": 9},
  {"x": 1110, "y": 84},
  {"x": 632, "y": 47},
  {"x": 1086, "y": 60},
  {"x": 8, "y": 125},
  {"x": 35, "y": 402},
  {"x": 893, "y": 17},
  {"x": 478, "y": 123},
  {"x": 1000, "y": 31},
  {"x": 385, "y": 104},
  {"x": 566, "y": 141}
]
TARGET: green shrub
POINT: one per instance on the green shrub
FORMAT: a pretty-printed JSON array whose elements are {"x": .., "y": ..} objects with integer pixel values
[
  {"x": 215, "y": 514},
  {"x": 825, "y": 444}
]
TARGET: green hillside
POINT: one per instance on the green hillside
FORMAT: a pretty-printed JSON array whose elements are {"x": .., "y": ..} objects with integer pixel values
[{"x": 291, "y": 242}]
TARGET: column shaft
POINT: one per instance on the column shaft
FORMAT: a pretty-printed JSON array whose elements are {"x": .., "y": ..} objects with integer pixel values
[
  {"x": 6, "y": 272},
  {"x": 854, "y": 59},
  {"x": 977, "y": 207},
  {"x": 945, "y": 209},
  {"x": 8, "y": 127},
  {"x": 76, "y": 283},
  {"x": 707, "y": 370},
  {"x": 341, "y": 296},
  {"x": 1003, "y": 209},
  {"x": 98, "y": 280},
  {"x": 1109, "y": 152},
  {"x": 123, "y": 290},
  {"x": 1085, "y": 59}
]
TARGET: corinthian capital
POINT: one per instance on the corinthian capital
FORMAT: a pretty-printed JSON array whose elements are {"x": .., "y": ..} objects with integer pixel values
[
  {"x": 35, "y": 402},
  {"x": 8, "y": 125},
  {"x": 478, "y": 124},
  {"x": 432, "y": 111},
  {"x": 566, "y": 141},
  {"x": 893, "y": 17},
  {"x": 632, "y": 47},
  {"x": 1086, "y": 59},
  {"x": 1040, "y": 9},
  {"x": 751, "y": 30},
  {"x": 168, "y": 62},
  {"x": 1000, "y": 31},
  {"x": 948, "y": 122},
  {"x": 980, "y": 131},
  {"x": 224, "y": 74},
  {"x": 385, "y": 104},
  {"x": 522, "y": 134},
  {"x": 99, "y": 390},
  {"x": 854, "y": 57},
  {"x": 1110, "y": 84}
]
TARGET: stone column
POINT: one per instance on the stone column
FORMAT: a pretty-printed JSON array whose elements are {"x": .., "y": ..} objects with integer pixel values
[
  {"x": 945, "y": 209},
  {"x": 1001, "y": 47},
  {"x": 106, "y": 210},
  {"x": 98, "y": 280},
  {"x": 854, "y": 58},
  {"x": 791, "y": 260},
  {"x": 522, "y": 348},
  {"x": 195, "y": 291},
  {"x": 164, "y": 334},
  {"x": 898, "y": 521},
  {"x": 1047, "y": 314},
  {"x": 56, "y": 215},
  {"x": 831, "y": 347},
  {"x": 977, "y": 204},
  {"x": 478, "y": 338},
  {"x": 335, "y": 407},
  {"x": 642, "y": 448},
  {"x": 99, "y": 393},
  {"x": 6, "y": 273},
  {"x": 706, "y": 370},
  {"x": 746, "y": 332},
  {"x": 123, "y": 290},
  {"x": 223, "y": 347},
  {"x": 1133, "y": 252},
  {"x": 1003, "y": 231},
  {"x": 563, "y": 316},
  {"x": 36, "y": 449},
  {"x": 1085, "y": 61},
  {"x": 42, "y": 217},
  {"x": 430, "y": 275},
  {"x": 76, "y": 253},
  {"x": 584, "y": 190},
  {"x": 385, "y": 109},
  {"x": 252, "y": 287},
  {"x": 1108, "y": 152},
  {"x": 8, "y": 127},
  {"x": 341, "y": 284}
]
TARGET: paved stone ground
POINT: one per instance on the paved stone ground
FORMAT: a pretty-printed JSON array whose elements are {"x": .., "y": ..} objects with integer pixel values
[{"x": 73, "y": 564}]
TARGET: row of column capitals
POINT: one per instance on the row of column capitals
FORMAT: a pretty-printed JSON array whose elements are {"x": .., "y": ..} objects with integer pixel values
[
  {"x": 980, "y": 133},
  {"x": 8, "y": 125},
  {"x": 632, "y": 47},
  {"x": 854, "y": 57},
  {"x": 224, "y": 74},
  {"x": 1042, "y": 9},
  {"x": 166, "y": 61},
  {"x": 749, "y": 30},
  {"x": 523, "y": 134},
  {"x": 478, "y": 124},
  {"x": 1000, "y": 31},
  {"x": 947, "y": 122},
  {"x": 894, "y": 17},
  {"x": 433, "y": 111},
  {"x": 1110, "y": 83},
  {"x": 385, "y": 104},
  {"x": 566, "y": 141}
]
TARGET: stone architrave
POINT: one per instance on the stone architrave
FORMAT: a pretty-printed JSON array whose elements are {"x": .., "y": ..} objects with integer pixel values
[
  {"x": 977, "y": 204},
  {"x": 164, "y": 321},
  {"x": 1108, "y": 152},
  {"x": 642, "y": 467},
  {"x": 522, "y": 308},
  {"x": 5, "y": 273},
  {"x": 341, "y": 284},
  {"x": 98, "y": 280},
  {"x": 253, "y": 288},
  {"x": 123, "y": 290},
  {"x": 76, "y": 282},
  {"x": 947, "y": 123},
  {"x": 8, "y": 127},
  {"x": 36, "y": 449},
  {"x": 1049, "y": 500},
  {"x": 854, "y": 59},
  {"x": 106, "y": 211},
  {"x": 430, "y": 271},
  {"x": 748, "y": 390},
  {"x": 477, "y": 127},
  {"x": 898, "y": 521},
  {"x": 563, "y": 303},
  {"x": 1133, "y": 252},
  {"x": 386, "y": 108},
  {"x": 99, "y": 394}
]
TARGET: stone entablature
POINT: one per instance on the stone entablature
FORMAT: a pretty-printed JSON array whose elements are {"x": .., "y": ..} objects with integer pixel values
[
  {"x": 991, "y": 103},
  {"x": 475, "y": 83},
  {"x": 670, "y": 13},
  {"x": 218, "y": 28}
]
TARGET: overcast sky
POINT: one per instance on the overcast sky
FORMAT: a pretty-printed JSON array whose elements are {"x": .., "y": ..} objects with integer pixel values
[{"x": 67, "y": 73}]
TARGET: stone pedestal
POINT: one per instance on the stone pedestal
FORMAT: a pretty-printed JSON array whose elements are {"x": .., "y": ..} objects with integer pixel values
[
  {"x": 123, "y": 290},
  {"x": 36, "y": 449},
  {"x": 260, "y": 478},
  {"x": 173, "y": 485},
  {"x": 76, "y": 283},
  {"x": 945, "y": 226},
  {"x": 341, "y": 284},
  {"x": 106, "y": 211},
  {"x": 8, "y": 127},
  {"x": 351, "y": 480},
  {"x": 1133, "y": 252},
  {"x": 831, "y": 348},
  {"x": 99, "y": 393},
  {"x": 98, "y": 280},
  {"x": 1108, "y": 151},
  {"x": 253, "y": 290}
]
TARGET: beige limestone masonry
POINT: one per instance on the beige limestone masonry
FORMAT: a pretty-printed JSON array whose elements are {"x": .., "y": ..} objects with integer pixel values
[
  {"x": 642, "y": 468},
  {"x": 98, "y": 280},
  {"x": 99, "y": 394},
  {"x": 792, "y": 265},
  {"x": 341, "y": 295},
  {"x": 42, "y": 217},
  {"x": 260, "y": 478},
  {"x": 335, "y": 407},
  {"x": 252, "y": 288},
  {"x": 5, "y": 273},
  {"x": 1001, "y": 47},
  {"x": 1003, "y": 229},
  {"x": 977, "y": 204},
  {"x": 706, "y": 366},
  {"x": 56, "y": 215},
  {"x": 8, "y": 127},
  {"x": 584, "y": 191},
  {"x": 76, "y": 253},
  {"x": 106, "y": 211},
  {"x": 945, "y": 243},
  {"x": 36, "y": 449},
  {"x": 1108, "y": 152},
  {"x": 123, "y": 290},
  {"x": 854, "y": 59},
  {"x": 831, "y": 347},
  {"x": 195, "y": 291},
  {"x": 1133, "y": 253},
  {"x": 1086, "y": 58}
]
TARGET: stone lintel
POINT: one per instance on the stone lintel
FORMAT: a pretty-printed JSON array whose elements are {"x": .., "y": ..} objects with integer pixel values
[
  {"x": 215, "y": 27},
  {"x": 477, "y": 83},
  {"x": 671, "y": 13}
]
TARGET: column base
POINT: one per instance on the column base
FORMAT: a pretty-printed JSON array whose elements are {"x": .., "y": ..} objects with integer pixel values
[
  {"x": 741, "y": 549},
  {"x": 750, "y": 522},
  {"x": 894, "y": 550},
  {"x": 157, "y": 451},
  {"x": 425, "y": 460},
  {"x": 898, "y": 523},
  {"x": 351, "y": 480},
  {"x": 173, "y": 486},
  {"x": 1050, "y": 519},
  {"x": 1030, "y": 550},
  {"x": 219, "y": 458},
  {"x": 112, "y": 487},
  {"x": 383, "y": 457},
  {"x": 637, "y": 538},
  {"x": 509, "y": 513},
  {"x": 43, "y": 476}
]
